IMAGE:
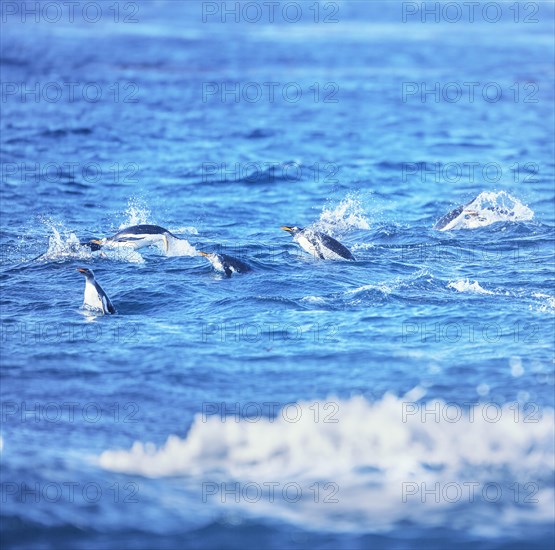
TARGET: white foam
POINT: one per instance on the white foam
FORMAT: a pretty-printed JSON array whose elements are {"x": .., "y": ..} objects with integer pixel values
[
  {"x": 63, "y": 243},
  {"x": 314, "y": 299},
  {"x": 188, "y": 229},
  {"x": 547, "y": 302},
  {"x": 349, "y": 214},
  {"x": 137, "y": 213},
  {"x": 370, "y": 454},
  {"x": 180, "y": 247},
  {"x": 383, "y": 288},
  {"x": 490, "y": 207},
  {"x": 466, "y": 286}
]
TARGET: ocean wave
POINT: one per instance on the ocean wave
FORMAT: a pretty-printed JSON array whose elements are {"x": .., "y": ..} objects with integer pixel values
[
  {"x": 377, "y": 457},
  {"x": 466, "y": 286}
]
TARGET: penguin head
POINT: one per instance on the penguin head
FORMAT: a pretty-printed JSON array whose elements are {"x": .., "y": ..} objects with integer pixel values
[
  {"x": 93, "y": 244},
  {"x": 86, "y": 272},
  {"x": 217, "y": 260},
  {"x": 293, "y": 229}
]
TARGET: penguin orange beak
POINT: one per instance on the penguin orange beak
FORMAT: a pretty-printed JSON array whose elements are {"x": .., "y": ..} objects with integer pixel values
[
  {"x": 286, "y": 228},
  {"x": 203, "y": 253},
  {"x": 96, "y": 241},
  {"x": 81, "y": 270}
]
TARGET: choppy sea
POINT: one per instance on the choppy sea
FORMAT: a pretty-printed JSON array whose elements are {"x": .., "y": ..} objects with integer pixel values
[{"x": 403, "y": 400}]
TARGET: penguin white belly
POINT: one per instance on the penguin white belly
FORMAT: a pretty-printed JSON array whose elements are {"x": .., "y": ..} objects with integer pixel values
[
  {"x": 330, "y": 254},
  {"x": 92, "y": 299},
  {"x": 138, "y": 242},
  {"x": 217, "y": 264},
  {"x": 305, "y": 244},
  {"x": 465, "y": 220}
]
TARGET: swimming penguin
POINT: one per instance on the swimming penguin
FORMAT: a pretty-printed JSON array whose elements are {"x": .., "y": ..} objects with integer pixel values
[
  {"x": 467, "y": 217},
  {"x": 95, "y": 297},
  {"x": 226, "y": 264},
  {"x": 459, "y": 217},
  {"x": 137, "y": 236},
  {"x": 319, "y": 244}
]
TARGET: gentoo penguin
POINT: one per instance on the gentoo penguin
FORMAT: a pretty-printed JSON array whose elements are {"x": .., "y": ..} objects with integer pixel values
[
  {"x": 137, "y": 236},
  {"x": 462, "y": 216},
  {"x": 226, "y": 264},
  {"x": 319, "y": 244},
  {"x": 95, "y": 297},
  {"x": 472, "y": 216}
]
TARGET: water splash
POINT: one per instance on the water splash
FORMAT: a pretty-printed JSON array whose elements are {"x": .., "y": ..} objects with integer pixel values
[
  {"x": 467, "y": 286},
  {"x": 188, "y": 229},
  {"x": 545, "y": 301},
  {"x": 137, "y": 213},
  {"x": 349, "y": 214},
  {"x": 180, "y": 247},
  {"x": 63, "y": 243}
]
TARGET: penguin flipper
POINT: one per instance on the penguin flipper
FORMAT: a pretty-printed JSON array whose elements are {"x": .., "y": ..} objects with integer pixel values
[{"x": 108, "y": 306}]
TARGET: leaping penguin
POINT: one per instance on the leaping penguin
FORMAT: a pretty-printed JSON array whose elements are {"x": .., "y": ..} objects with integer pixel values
[
  {"x": 95, "y": 297},
  {"x": 319, "y": 244},
  {"x": 457, "y": 217},
  {"x": 472, "y": 216},
  {"x": 226, "y": 264},
  {"x": 136, "y": 236}
]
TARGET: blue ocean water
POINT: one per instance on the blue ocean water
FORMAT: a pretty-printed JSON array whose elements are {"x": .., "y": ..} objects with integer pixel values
[{"x": 404, "y": 400}]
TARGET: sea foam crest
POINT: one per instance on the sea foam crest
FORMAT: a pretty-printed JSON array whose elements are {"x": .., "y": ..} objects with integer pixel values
[
  {"x": 464, "y": 285},
  {"x": 378, "y": 456}
]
